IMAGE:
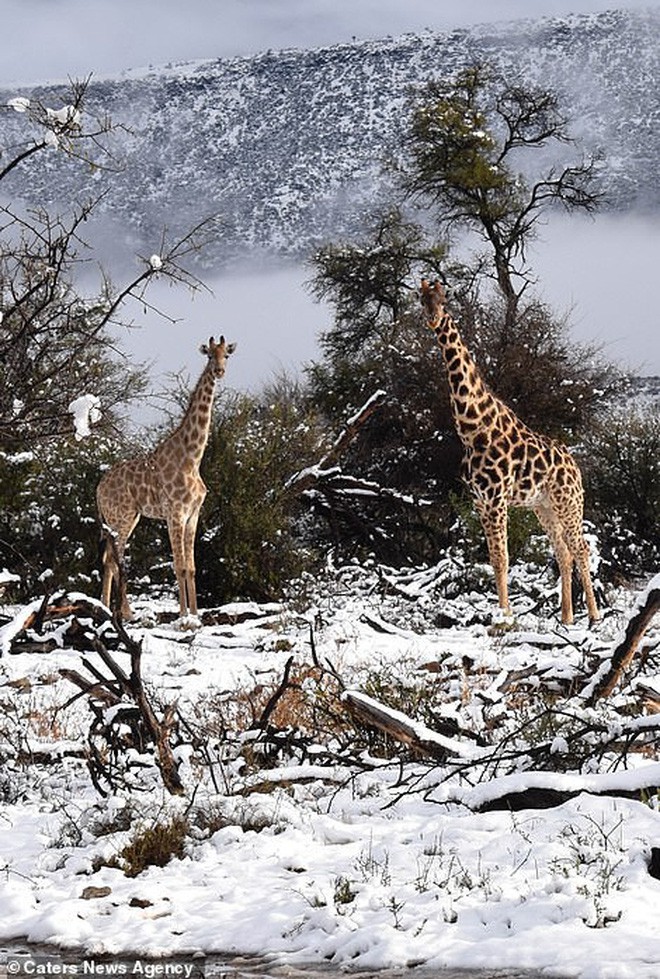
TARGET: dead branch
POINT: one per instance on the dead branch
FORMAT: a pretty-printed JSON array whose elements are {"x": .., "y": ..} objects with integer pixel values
[
  {"x": 274, "y": 699},
  {"x": 397, "y": 725},
  {"x": 159, "y": 730},
  {"x": 623, "y": 653},
  {"x": 116, "y": 688},
  {"x": 651, "y": 697},
  {"x": 306, "y": 478}
]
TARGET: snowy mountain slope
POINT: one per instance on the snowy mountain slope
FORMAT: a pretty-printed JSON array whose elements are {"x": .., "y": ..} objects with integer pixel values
[{"x": 288, "y": 147}]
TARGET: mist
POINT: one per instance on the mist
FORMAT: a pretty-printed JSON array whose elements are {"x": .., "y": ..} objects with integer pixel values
[
  {"x": 51, "y": 40},
  {"x": 596, "y": 272},
  {"x": 600, "y": 271},
  {"x": 267, "y": 311}
]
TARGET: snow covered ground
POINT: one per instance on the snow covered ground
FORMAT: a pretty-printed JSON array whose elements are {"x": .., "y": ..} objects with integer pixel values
[{"x": 330, "y": 849}]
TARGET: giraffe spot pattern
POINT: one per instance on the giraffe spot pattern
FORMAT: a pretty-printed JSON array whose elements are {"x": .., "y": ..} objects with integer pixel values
[{"x": 506, "y": 463}]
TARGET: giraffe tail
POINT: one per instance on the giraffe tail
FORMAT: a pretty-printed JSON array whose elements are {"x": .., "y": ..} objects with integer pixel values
[{"x": 106, "y": 544}]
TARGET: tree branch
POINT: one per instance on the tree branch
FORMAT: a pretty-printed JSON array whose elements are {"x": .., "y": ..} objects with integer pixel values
[
  {"x": 623, "y": 653},
  {"x": 306, "y": 478}
]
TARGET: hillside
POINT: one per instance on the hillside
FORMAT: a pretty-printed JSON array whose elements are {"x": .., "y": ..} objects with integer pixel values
[{"x": 289, "y": 147}]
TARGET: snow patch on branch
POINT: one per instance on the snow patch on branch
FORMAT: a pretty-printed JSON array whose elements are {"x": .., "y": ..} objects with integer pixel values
[
  {"x": 86, "y": 411},
  {"x": 68, "y": 117},
  {"x": 374, "y": 399},
  {"x": 19, "y": 104}
]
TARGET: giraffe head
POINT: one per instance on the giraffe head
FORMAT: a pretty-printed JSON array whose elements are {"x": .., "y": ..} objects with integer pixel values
[
  {"x": 217, "y": 354},
  {"x": 433, "y": 300}
]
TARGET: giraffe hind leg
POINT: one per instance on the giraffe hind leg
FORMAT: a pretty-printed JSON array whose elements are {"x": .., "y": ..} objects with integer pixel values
[
  {"x": 579, "y": 548},
  {"x": 108, "y": 564},
  {"x": 554, "y": 528}
]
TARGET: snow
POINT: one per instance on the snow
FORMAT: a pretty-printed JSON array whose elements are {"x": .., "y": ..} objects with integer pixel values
[
  {"x": 15, "y": 625},
  {"x": 313, "y": 858},
  {"x": 19, "y": 104},
  {"x": 86, "y": 411},
  {"x": 68, "y": 117}
]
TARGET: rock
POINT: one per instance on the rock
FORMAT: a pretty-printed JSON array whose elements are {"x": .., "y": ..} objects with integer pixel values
[{"x": 92, "y": 893}]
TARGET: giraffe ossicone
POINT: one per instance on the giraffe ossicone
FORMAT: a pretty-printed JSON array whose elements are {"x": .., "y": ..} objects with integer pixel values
[
  {"x": 163, "y": 484},
  {"x": 506, "y": 464}
]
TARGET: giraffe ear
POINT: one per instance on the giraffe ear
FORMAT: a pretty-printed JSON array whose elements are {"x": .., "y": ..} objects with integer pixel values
[
  {"x": 208, "y": 348},
  {"x": 230, "y": 348}
]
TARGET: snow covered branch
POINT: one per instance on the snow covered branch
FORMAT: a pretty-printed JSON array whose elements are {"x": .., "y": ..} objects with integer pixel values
[
  {"x": 418, "y": 736},
  {"x": 306, "y": 478},
  {"x": 646, "y": 608}
]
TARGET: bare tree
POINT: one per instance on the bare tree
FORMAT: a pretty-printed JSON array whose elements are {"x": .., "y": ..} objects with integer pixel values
[
  {"x": 67, "y": 128},
  {"x": 56, "y": 345}
]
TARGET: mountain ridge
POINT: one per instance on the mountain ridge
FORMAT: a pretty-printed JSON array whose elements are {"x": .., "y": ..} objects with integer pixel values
[{"x": 289, "y": 147}]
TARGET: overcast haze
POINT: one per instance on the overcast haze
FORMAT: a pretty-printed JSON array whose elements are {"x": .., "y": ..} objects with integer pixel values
[
  {"x": 603, "y": 271},
  {"x": 61, "y": 38}
]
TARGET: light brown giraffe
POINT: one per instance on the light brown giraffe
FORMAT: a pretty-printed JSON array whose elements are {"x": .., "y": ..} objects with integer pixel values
[
  {"x": 164, "y": 484},
  {"x": 507, "y": 464}
]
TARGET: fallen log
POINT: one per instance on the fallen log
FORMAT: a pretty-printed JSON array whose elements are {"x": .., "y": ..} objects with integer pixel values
[
  {"x": 26, "y": 632},
  {"x": 544, "y": 790},
  {"x": 402, "y": 728}
]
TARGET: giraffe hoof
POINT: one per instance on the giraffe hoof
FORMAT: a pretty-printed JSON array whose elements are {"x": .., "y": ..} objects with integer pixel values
[
  {"x": 503, "y": 621},
  {"x": 187, "y": 623}
]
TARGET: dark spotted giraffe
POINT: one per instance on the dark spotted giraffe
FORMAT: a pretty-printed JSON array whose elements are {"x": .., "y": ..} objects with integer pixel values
[{"x": 507, "y": 464}]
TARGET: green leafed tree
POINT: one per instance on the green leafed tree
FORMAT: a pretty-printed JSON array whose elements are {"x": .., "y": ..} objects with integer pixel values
[
  {"x": 468, "y": 159},
  {"x": 251, "y": 542},
  {"x": 623, "y": 480}
]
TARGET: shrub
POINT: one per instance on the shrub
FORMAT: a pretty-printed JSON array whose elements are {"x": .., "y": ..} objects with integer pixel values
[
  {"x": 154, "y": 846},
  {"x": 49, "y": 529},
  {"x": 247, "y": 544},
  {"x": 623, "y": 482}
]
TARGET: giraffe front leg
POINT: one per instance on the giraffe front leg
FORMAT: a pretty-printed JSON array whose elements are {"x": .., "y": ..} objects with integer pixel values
[
  {"x": 493, "y": 518},
  {"x": 189, "y": 560},
  {"x": 175, "y": 528}
]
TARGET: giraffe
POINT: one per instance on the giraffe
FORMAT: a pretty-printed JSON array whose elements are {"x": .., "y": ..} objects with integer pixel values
[
  {"x": 164, "y": 484},
  {"x": 507, "y": 464}
]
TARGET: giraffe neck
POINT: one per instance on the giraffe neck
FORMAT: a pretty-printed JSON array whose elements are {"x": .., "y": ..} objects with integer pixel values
[
  {"x": 191, "y": 436},
  {"x": 472, "y": 403}
]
